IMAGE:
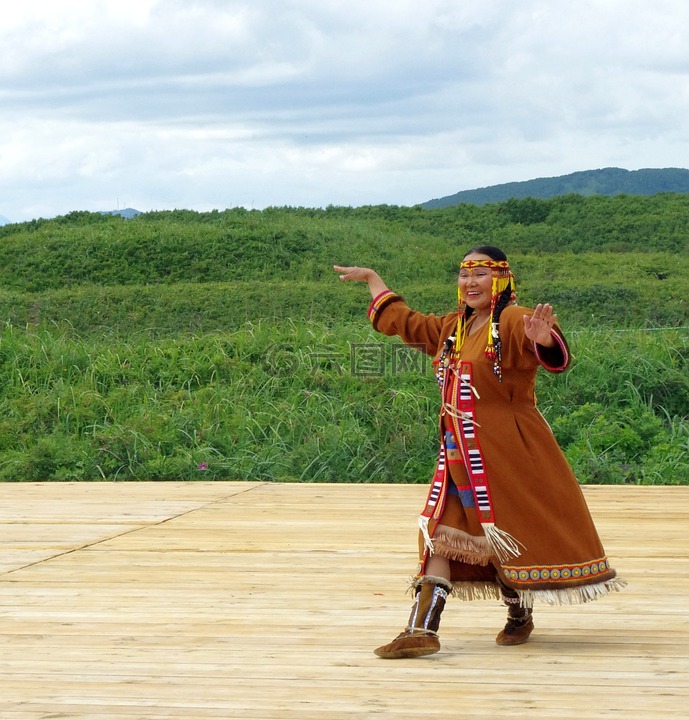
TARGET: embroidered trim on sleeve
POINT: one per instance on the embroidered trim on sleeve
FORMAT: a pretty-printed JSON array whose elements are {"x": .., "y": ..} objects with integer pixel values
[
  {"x": 564, "y": 354},
  {"x": 379, "y": 302}
]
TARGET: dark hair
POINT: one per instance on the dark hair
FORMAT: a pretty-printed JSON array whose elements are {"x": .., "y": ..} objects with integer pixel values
[{"x": 494, "y": 253}]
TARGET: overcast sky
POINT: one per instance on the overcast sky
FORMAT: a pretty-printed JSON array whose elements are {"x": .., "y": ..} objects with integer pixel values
[{"x": 202, "y": 104}]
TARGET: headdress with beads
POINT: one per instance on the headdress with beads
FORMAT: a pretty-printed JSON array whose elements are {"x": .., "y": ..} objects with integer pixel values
[{"x": 503, "y": 279}]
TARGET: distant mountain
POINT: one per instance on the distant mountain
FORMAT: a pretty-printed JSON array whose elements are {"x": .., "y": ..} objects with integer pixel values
[
  {"x": 4, "y": 220},
  {"x": 607, "y": 181},
  {"x": 127, "y": 213}
]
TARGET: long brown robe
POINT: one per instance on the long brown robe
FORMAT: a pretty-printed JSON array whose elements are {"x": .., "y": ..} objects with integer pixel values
[{"x": 553, "y": 552}]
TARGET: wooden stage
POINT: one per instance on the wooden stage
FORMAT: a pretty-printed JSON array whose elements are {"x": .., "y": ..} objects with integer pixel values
[{"x": 152, "y": 601}]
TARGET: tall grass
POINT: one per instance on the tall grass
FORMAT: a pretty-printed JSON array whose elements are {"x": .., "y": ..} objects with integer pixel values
[
  {"x": 307, "y": 401},
  {"x": 617, "y": 291},
  {"x": 627, "y": 405},
  {"x": 186, "y": 345}
]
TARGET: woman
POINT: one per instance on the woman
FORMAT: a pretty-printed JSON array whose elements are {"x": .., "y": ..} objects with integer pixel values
[{"x": 505, "y": 516}]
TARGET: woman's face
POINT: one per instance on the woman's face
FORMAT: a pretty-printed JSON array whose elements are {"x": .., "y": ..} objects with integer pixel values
[{"x": 476, "y": 284}]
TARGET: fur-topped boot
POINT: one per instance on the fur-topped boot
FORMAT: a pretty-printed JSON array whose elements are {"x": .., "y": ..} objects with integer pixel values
[
  {"x": 519, "y": 623},
  {"x": 421, "y": 635}
]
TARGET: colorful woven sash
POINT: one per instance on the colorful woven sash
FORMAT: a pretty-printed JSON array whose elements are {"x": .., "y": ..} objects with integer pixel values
[{"x": 459, "y": 398}]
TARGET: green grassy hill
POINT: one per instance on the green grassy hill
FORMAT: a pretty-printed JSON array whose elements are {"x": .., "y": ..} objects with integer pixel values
[{"x": 182, "y": 345}]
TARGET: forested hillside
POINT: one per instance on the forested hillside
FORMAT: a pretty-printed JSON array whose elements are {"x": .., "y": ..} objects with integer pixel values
[
  {"x": 182, "y": 345},
  {"x": 606, "y": 181}
]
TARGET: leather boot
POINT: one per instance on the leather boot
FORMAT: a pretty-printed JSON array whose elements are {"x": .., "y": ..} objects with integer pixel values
[
  {"x": 421, "y": 634},
  {"x": 519, "y": 623}
]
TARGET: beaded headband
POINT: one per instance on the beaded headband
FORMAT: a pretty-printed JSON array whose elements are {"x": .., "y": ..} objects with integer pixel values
[
  {"x": 502, "y": 280},
  {"x": 493, "y": 264}
]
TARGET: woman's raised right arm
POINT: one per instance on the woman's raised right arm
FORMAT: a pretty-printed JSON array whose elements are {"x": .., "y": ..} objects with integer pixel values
[
  {"x": 422, "y": 331},
  {"x": 375, "y": 283}
]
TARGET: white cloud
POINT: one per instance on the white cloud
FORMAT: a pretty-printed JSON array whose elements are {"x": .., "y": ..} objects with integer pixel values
[{"x": 183, "y": 103}]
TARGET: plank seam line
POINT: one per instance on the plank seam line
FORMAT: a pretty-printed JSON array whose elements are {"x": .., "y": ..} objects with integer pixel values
[{"x": 95, "y": 543}]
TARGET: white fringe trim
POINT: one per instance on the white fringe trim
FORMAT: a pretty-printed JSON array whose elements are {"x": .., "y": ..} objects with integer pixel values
[
  {"x": 504, "y": 545},
  {"x": 479, "y": 590},
  {"x": 429, "y": 580},
  {"x": 427, "y": 541},
  {"x": 485, "y": 590},
  {"x": 571, "y": 596}
]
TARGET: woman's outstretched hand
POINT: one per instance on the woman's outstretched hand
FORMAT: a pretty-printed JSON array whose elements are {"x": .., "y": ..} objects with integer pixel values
[
  {"x": 538, "y": 326},
  {"x": 353, "y": 273},
  {"x": 375, "y": 283}
]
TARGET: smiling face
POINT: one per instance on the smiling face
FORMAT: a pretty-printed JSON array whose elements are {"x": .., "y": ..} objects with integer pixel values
[{"x": 476, "y": 284}]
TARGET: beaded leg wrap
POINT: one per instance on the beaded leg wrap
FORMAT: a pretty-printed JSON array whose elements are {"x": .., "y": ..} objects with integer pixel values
[
  {"x": 519, "y": 623},
  {"x": 421, "y": 634}
]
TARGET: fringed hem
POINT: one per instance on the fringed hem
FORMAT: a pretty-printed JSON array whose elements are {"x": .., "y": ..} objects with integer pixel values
[
  {"x": 485, "y": 590},
  {"x": 429, "y": 580},
  {"x": 462, "y": 547},
  {"x": 478, "y": 590},
  {"x": 571, "y": 596}
]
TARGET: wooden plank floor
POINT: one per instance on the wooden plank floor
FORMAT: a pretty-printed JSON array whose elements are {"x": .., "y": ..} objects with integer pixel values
[{"x": 152, "y": 601}]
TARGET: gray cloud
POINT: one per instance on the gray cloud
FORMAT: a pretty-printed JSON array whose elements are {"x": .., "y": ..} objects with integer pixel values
[{"x": 213, "y": 104}]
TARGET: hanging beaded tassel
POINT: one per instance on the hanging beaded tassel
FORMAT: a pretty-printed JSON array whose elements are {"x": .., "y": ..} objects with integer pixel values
[{"x": 461, "y": 331}]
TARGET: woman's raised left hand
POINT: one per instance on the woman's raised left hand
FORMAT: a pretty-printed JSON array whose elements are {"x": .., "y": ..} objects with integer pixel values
[{"x": 538, "y": 326}]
